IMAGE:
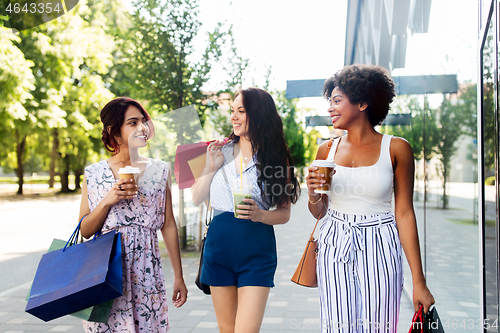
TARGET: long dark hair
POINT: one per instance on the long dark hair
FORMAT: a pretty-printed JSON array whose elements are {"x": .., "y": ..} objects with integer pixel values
[{"x": 276, "y": 177}]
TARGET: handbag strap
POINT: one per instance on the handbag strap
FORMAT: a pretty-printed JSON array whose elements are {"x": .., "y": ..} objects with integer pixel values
[
  {"x": 209, "y": 213},
  {"x": 319, "y": 216},
  {"x": 330, "y": 142},
  {"x": 210, "y": 210}
]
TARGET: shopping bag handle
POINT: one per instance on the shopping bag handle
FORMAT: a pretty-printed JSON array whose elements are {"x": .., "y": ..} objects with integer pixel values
[
  {"x": 74, "y": 236},
  {"x": 418, "y": 315}
]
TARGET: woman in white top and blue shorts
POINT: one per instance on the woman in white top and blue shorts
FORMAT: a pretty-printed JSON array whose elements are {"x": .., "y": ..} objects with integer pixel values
[
  {"x": 239, "y": 259},
  {"x": 360, "y": 274}
]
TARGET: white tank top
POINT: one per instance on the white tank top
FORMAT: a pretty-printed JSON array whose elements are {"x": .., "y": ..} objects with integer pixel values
[{"x": 363, "y": 190}]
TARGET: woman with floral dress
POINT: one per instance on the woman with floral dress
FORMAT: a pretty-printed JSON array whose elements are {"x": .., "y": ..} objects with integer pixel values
[{"x": 137, "y": 211}]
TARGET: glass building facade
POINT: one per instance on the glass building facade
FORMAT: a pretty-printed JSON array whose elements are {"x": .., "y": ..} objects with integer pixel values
[{"x": 488, "y": 153}]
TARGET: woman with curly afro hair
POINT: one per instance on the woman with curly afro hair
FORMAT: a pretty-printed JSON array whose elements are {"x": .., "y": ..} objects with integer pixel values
[{"x": 360, "y": 274}]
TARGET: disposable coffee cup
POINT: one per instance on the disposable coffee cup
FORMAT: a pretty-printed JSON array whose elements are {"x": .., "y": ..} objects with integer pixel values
[
  {"x": 241, "y": 190},
  {"x": 129, "y": 172},
  {"x": 327, "y": 168}
]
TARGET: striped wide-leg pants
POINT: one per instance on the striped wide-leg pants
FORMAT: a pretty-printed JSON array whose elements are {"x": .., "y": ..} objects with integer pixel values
[{"x": 360, "y": 273}]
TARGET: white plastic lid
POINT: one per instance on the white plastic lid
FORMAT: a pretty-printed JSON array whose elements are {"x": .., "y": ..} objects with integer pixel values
[
  {"x": 323, "y": 163},
  {"x": 129, "y": 169}
]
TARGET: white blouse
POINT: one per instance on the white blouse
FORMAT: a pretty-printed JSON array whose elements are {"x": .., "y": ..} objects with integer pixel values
[{"x": 221, "y": 196}]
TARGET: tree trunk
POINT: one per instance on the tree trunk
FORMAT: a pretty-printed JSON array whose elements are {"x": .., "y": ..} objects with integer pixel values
[
  {"x": 425, "y": 181},
  {"x": 416, "y": 194},
  {"x": 21, "y": 145},
  {"x": 182, "y": 216},
  {"x": 78, "y": 175},
  {"x": 65, "y": 175},
  {"x": 53, "y": 157},
  {"x": 445, "y": 177}
]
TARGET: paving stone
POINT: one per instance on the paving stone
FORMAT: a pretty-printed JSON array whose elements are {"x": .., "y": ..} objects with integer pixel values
[{"x": 290, "y": 308}]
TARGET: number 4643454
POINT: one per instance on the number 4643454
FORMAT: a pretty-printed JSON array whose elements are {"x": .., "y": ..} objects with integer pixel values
[{"x": 33, "y": 8}]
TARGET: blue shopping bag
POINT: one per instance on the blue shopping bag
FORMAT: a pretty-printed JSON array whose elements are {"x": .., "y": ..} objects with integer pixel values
[
  {"x": 77, "y": 276},
  {"x": 98, "y": 313}
]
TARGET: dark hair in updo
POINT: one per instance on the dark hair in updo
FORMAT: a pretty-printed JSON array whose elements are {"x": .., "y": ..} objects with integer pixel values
[
  {"x": 112, "y": 118},
  {"x": 367, "y": 84}
]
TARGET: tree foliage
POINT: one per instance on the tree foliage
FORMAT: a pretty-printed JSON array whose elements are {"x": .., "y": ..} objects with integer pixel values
[
  {"x": 53, "y": 125},
  {"x": 162, "y": 71},
  {"x": 16, "y": 84},
  {"x": 444, "y": 126},
  {"x": 414, "y": 132},
  {"x": 450, "y": 126},
  {"x": 294, "y": 133}
]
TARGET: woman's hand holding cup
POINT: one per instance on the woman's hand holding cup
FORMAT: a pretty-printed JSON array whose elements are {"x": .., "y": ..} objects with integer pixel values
[
  {"x": 122, "y": 189},
  {"x": 314, "y": 180},
  {"x": 319, "y": 178}
]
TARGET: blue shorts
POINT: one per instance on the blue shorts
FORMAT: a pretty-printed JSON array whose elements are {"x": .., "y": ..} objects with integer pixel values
[{"x": 239, "y": 253}]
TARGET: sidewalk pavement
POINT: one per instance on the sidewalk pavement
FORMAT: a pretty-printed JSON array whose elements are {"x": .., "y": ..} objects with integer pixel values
[{"x": 290, "y": 308}]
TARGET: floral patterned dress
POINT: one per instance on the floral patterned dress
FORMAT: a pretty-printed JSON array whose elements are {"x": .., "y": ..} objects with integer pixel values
[{"x": 143, "y": 306}]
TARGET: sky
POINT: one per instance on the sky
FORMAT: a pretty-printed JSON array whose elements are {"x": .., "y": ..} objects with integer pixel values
[
  {"x": 298, "y": 39},
  {"x": 450, "y": 45},
  {"x": 305, "y": 40}
]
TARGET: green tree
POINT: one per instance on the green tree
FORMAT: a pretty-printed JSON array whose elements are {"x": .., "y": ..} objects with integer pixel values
[
  {"x": 80, "y": 141},
  {"x": 236, "y": 67},
  {"x": 16, "y": 84},
  {"x": 67, "y": 54},
  {"x": 467, "y": 95},
  {"x": 451, "y": 127},
  {"x": 311, "y": 142},
  {"x": 86, "y": 92},
  {"x": 294, "y": 133},
  {"x": 423, "y": 129},
  {"x": 488, "y": 106},
  {"x": 414, "y": 132},
  {"x": 163, "y": 67},
  {"x": 41, "y": 109}
]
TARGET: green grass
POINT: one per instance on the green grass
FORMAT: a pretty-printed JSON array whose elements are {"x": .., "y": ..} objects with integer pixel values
[
  {"x": 37, "y": 180},
  {"x": 490, "y": 223}
]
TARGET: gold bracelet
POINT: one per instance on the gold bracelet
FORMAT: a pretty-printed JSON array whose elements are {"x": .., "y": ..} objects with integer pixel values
[{"x": 315, "y": 202}]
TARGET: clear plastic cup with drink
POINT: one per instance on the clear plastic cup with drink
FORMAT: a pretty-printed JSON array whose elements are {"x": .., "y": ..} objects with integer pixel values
[{"x": 241, "y": 190}]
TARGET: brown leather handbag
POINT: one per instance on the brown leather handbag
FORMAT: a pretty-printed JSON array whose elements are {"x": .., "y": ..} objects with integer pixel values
[{"x": 305, "y": 274}]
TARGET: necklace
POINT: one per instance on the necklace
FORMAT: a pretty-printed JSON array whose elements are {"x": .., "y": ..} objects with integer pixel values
[{"x": 244, "y": 157}]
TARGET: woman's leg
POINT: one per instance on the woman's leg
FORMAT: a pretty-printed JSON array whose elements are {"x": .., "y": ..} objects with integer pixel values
[
  {"x": 251, "y": 306},
  {"x": 225, "y": 300}
]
